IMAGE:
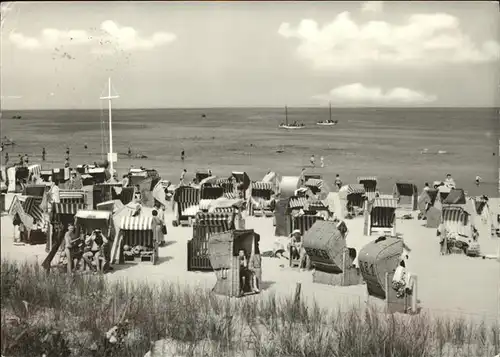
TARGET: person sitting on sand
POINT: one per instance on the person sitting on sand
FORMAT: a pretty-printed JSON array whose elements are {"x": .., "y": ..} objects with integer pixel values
[
  {"x": 449, "y": 181},
  {"x": 95, "y": 243}
]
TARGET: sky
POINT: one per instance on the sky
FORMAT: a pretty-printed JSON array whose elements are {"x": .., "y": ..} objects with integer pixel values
[{"x": 244, "y": 54}]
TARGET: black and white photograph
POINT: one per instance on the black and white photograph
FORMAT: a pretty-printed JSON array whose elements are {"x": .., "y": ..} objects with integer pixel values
[{"x": 250, "y": 179}]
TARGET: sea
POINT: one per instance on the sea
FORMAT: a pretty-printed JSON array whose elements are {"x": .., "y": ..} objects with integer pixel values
[{"x": 395, "y": 145}]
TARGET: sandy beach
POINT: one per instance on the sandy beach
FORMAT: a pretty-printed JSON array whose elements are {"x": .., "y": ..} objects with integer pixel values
[{"x": 448, "y": 285}]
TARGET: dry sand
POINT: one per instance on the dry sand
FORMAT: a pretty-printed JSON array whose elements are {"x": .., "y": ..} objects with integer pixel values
[{"x": 453, "y": 284}]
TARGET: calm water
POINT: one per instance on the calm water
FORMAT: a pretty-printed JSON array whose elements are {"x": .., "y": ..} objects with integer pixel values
[{"x": 382, "y": 142}]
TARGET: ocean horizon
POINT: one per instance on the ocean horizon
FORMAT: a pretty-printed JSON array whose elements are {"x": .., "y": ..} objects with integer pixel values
[{"x": 382, "y": 142}]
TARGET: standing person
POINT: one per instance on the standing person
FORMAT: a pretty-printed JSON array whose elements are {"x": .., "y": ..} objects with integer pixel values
[
  {"x": 183, "y": 154},
  {"x": 322, "y": 161},
  {"x": 66, "y": 162},
  {"x": 157, "y": 224},
  {"x": 244, "y": 272},
  {"x": 183, "y": 175},
  {"x": 478, "y": 181},
  {"x": 338, "y": 181},
  {"x": 125, "y": 181},
  {"x": 427, "y": 187},
  {"x": 72, "y": 247},
  {"x": 43, "y": 154},
  {"x": 67, "y": 151},
  {"x": 302, "y": 176},
  {"x": 6, "y": 158},
  {"x": 129, "y": 151},
  {"x": 312, "y": 160},
  {"x": 21, "y": 160},
  {"x": 26, "y": 160},
  {"x": 85, "y": 146},
  {"x": 137, "y": 194},
  {"x": 209, "y": 173}
]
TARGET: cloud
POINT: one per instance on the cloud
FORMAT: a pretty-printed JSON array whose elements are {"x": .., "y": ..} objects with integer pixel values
[
  {"x": 358, "y": 94},
  {"x": 372, "y": 6},
  {"x": 424, "y": 39},
  {"x": 111, "y": 36}
]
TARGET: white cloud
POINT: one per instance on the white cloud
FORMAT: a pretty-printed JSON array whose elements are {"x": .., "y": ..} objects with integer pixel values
[
  {"x": 110, "y": 38},
  {"x": 424, "y": 39},
  {"x": 372, "y": 6},
  {"x": 358, "y": 94}
]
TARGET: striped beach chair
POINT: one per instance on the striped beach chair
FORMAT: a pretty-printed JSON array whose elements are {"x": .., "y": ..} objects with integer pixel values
[
  {"x": 370, "y": 184},
  {"x": 186, "y": 205},
  {"x": 380, "y": 216},
  {"x": 35, "y": 170},
  {"x": 304, "y": 222},
  {"x": 456, "y": 220},
  {"x": 204, "y": 226},
  {"x": 31, "y": 206},
  {"x": 314, "y": 184},
  {"x": 72, "y": 196},
  {"x": 260, "y": 202},
  {"x": 226, "y": 184},
  {"x": 211, "y": 192},
  {"x": 138, "y": 231},
  {"x": 354, "y": 195}
]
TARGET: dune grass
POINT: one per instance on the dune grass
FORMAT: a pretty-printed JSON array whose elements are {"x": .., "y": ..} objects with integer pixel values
[{"x": 69, "y": 316}]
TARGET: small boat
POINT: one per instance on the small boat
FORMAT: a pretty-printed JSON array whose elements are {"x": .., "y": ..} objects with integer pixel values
[
  {"x": 328, "y": 122},
  {"x": 287, "y": 126},
  {"x": 16, "y": 117}
]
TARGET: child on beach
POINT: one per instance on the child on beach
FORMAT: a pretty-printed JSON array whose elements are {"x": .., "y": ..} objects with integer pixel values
[
  {"x": 322, "y": 161},
  {"x": 338, "y": 181},
  {"x": 312, "y": 160}
]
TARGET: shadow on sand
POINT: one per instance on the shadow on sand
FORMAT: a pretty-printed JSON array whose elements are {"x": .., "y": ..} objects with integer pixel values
[{"x": 130, "y": 264}]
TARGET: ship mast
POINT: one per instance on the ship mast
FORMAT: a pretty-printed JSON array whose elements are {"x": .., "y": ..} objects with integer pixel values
[{"x": 111, "y": 157}]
